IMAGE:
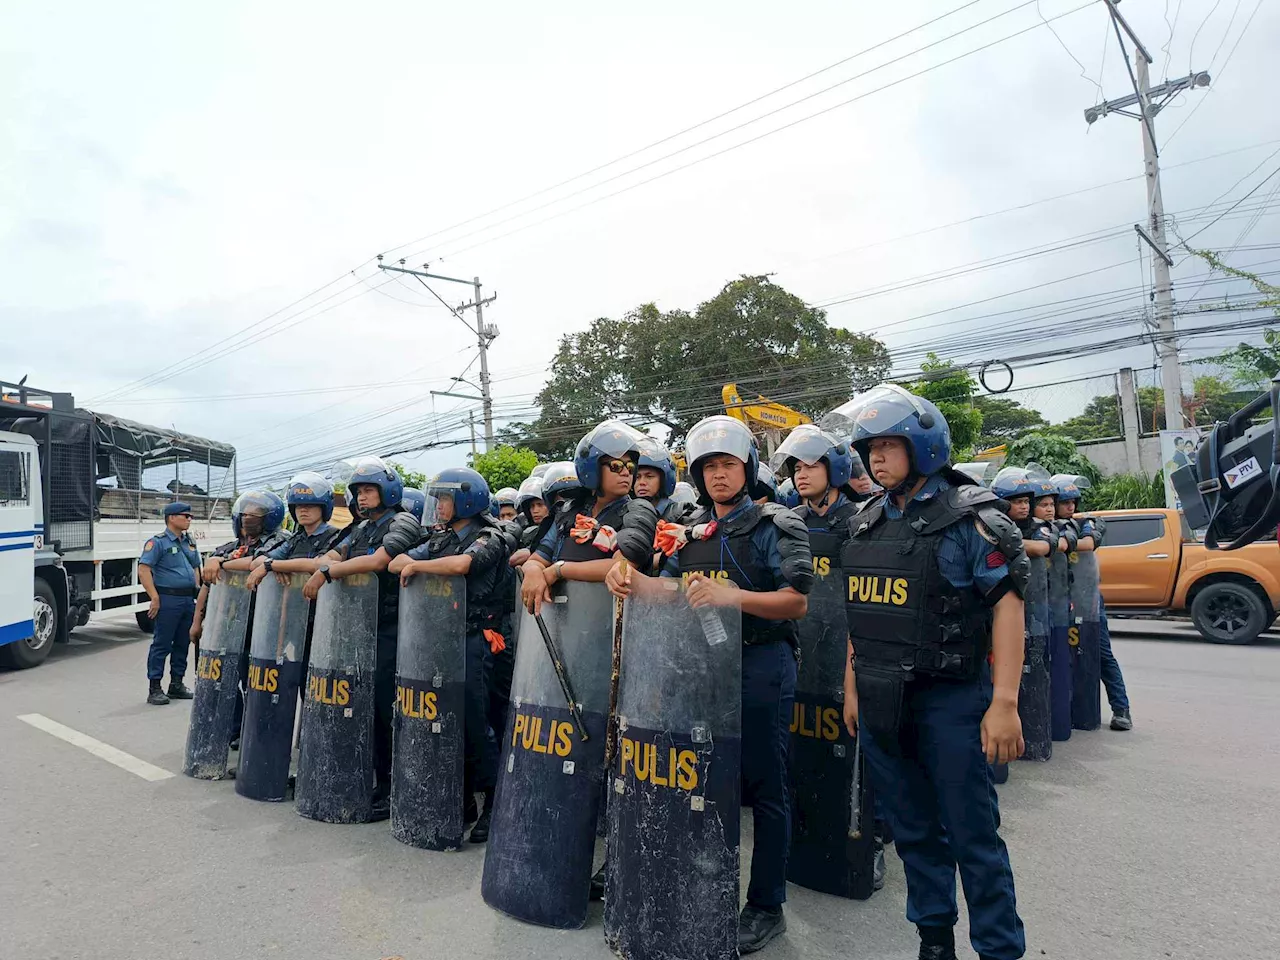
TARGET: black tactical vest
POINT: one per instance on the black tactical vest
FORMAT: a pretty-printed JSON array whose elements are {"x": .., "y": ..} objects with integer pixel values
[
  {"x": 575, "y": 552},
  {"x": 730, "y": 555},
  {"x": 365, "y": 541},
  {"x": 303, "y": 546},
  {"x": 827, "y": 533},
  {"x": 485, "y": 602},
  {"x": 902, "y": 612}
]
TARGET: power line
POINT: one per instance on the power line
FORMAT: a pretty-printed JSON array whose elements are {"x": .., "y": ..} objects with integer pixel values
[{"x": 1218, "y": 79}]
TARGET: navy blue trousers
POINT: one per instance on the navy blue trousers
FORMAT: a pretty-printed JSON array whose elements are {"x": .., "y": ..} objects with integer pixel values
[
  {"x": 942, "y": 807},
  {"x": 171, "y": 637},
  {"x": 1112, "y": 678},
  {"x": 768, "y": 692}
]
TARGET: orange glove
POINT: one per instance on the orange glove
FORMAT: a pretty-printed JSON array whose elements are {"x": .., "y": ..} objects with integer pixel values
[
  {"x": 497, "y": 642},
  {"x": 601, "y": 536},
  {"x": 672, "y": 536}
]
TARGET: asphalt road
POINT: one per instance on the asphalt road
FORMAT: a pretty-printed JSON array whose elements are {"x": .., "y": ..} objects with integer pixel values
[{"x": 1159, "y": 843}]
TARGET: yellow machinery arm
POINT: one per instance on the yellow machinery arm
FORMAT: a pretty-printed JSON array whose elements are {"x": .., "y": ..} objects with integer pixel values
[{"x": 766, "y": 419}]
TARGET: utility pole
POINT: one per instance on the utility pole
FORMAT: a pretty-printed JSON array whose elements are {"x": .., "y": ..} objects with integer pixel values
[
  {"x": 485, "y": 333},
  {"x": 471, "y": 419},
  {"x": 1149, "y": 101}
]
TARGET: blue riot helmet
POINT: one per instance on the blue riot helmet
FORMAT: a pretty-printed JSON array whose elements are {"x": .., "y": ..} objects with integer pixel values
[
  {"x": 1068, "y": 486},
  {"x": 721, "y": 435},
  {"x": 257, "y": 503},
  {"x": 467, "y": 489},
  {"x": 530, "y": 490},
  {"x": 539, "y": 470},
  {"x": 788, "y": 496},
  {"x": 890, "y": 411},
  {"x": 611, "y": 439},
  {"x": 656, "y": 456},
  {"x": 684, "y": 493},
  {"x": 766, "y": 487},
  {"x": 416, "y": 502},
  {"x": 373, "y": 470},
  {"x": 560, "y": 481},
  {"x": 811, "y": 444},
  {"x": 310, "y": 489},
  {"x": 1014, "y": 482},
  {"x": 353, "y": 505}
]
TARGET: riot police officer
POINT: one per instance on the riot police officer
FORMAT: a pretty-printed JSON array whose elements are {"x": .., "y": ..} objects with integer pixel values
[
  {"x": 756, "y": 557},
  {"x": 1089, "y": 533},
  {"x": 468, "y": 543},
  {"x": 309, "y": 498},
  {"x": 558, "y": 482},
  {"x": 934, "y": 575},
  {"x": 765, "y": 489},
  {"x": 820, "y": 469},
  {"x": 656, "y": 480},
  {"x": 596, "y": 523},
  {"x": 420, "y": 505},
  {"x": 384, "y": 532},
  {"x": 504, "y": 503},
  {"x": 169, "y": 570}
]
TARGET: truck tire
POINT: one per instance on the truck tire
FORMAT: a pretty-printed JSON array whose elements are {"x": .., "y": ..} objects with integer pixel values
[
  {"x": 144, "y": 622},
  {"x": 1229, "y": 613},
  {"x": 23, "y": 654}
]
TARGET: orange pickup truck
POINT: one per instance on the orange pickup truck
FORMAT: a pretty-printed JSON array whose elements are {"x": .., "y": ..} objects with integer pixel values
[{"x": 1151, "y": 563}]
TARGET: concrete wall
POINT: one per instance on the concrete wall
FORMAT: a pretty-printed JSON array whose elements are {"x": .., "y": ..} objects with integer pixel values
[{"x": 1111, "y": 456}]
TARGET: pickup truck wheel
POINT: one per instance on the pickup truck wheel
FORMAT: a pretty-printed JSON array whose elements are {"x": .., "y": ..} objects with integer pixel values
[
  {"x": 22, "y": 654},
  {"x": 144, "y": 621},
  {"x": 1229, "y": 613}
]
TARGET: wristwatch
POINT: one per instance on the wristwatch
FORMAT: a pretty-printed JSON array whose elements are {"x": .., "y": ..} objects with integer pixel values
[
  {"x": 266, "y": 564},
  {"x": 558, "y": 567},
  {"x": 324, "y": 572}
]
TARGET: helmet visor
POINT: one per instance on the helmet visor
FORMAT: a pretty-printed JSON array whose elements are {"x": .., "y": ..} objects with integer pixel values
[{"x": 718, "y": 435}]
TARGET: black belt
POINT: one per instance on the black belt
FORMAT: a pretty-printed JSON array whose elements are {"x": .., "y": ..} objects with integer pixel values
[{"x": 178, "y": 591}]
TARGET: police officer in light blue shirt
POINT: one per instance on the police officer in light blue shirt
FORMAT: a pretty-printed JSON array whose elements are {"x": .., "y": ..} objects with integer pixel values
[{"x": 169, "y": 571}]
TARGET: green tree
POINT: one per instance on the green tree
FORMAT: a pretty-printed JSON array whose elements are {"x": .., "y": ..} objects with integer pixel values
[
  {"x": 1250, "y": 365},
  {"x": 1101, "y": 416},
  {"x": 669, "y": 367},
  {"x": 411, "y": 478},
  {"x": 1126, "y": 491},
  {"x": 1053, "y": 451},
  {"x": 1004, "y": 420},
  {"x": 952, "y": 389},
  {"x": 504, "y": 466}
]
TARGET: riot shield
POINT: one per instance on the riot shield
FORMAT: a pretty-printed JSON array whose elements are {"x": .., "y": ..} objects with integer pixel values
[
  {"x": 832, "y": 840},
  {"x": 537, "y": 865},
  {"x": 1086, "y": 664},
  {"x": 276, "y": 648},
  {"x": 213, "y": 710},
  {"x": 1059, "y": 646},
  {"x": 335, "y": 749},
  {"x": 674, "y": 808},
  {"x": 1034, "y": 693},
  {"x": 427, "y": 726}
]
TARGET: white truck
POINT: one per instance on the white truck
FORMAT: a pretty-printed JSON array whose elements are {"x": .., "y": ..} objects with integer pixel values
[{"x": 80, "y": 493}]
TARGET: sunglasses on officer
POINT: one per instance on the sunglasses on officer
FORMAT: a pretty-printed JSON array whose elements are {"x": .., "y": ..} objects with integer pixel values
[{"x": 619, "y": 466}]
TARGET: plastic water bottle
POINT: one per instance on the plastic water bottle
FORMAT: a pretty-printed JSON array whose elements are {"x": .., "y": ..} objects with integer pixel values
[{"x": 712, "y": 628}]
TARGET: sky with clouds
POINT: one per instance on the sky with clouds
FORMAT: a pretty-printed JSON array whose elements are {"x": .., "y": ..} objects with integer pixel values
[{"x": 193, "y": 196}]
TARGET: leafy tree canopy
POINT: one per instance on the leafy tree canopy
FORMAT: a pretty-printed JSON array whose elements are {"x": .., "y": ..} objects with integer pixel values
[
  {"x": 1053, "y": 451},
  {"x": 668, "y": 368},
  {"x": 1004, "y": 420},
  {"x": 951, "y": 388},
  {"x": 504, "y": 465}
]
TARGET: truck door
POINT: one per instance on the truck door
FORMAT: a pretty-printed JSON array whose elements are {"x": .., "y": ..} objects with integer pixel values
[
  {"x": 17, "y": 543},
  {"x": 1138, "y": 562}
]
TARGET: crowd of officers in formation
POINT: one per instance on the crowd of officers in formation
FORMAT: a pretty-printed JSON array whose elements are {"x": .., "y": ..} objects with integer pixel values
[{"x": 878, "y": 594}]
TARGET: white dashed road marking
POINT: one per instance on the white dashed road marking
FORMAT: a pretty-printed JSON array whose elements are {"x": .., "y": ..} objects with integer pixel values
[{"x": 103, "y": 751}]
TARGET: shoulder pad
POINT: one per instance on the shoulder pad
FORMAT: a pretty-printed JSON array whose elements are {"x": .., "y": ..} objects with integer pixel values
[
  {"x": 636, "y": 533},
  {"x": 403, "y": 533},
  {"x": 971, "y": 496},
  {"x": 867, "y": 517},
  {"x": 793, "y": 545},
  {"x": 1099, "y": 531},
  {"x": 998, "y": 529}
]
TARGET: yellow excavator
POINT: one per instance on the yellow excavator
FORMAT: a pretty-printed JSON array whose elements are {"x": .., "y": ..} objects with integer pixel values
[{"x": 767, "y": 420}]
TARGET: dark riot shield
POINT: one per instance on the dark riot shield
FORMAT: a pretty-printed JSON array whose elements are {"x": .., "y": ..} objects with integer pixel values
[
  {"x": 675, "y": 789},
  {"x": 537, "y": 865},
  {"x": 427, "y": 726},
  {"x": 832, "y": 835},
  {"x": 1086, "y": 672},
  {"x": 335, "y": 748},
  {"x": 1060, "y": 654},
  {"x": 226, "y": 624},
  {"x": 276, "y": 649},
  {"x": 1034, "y": 693}
]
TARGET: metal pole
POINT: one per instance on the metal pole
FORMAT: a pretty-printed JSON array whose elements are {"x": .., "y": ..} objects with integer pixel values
[
  {"x": 483, "y": 340},
  {"x": 1166, "y": 337},
  {"x": 471, "y": 419}
]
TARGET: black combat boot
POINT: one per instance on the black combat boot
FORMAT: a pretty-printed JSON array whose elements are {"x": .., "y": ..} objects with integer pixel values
[
  {"x": 758, "y": 925},
  {"x": 480, "y": 832},
  {"x": 937, "y": 943},
  {"x": 156, "y": 697},
  {"x": 878, "y": 867},
  {"x": 179, "y": 690}
]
